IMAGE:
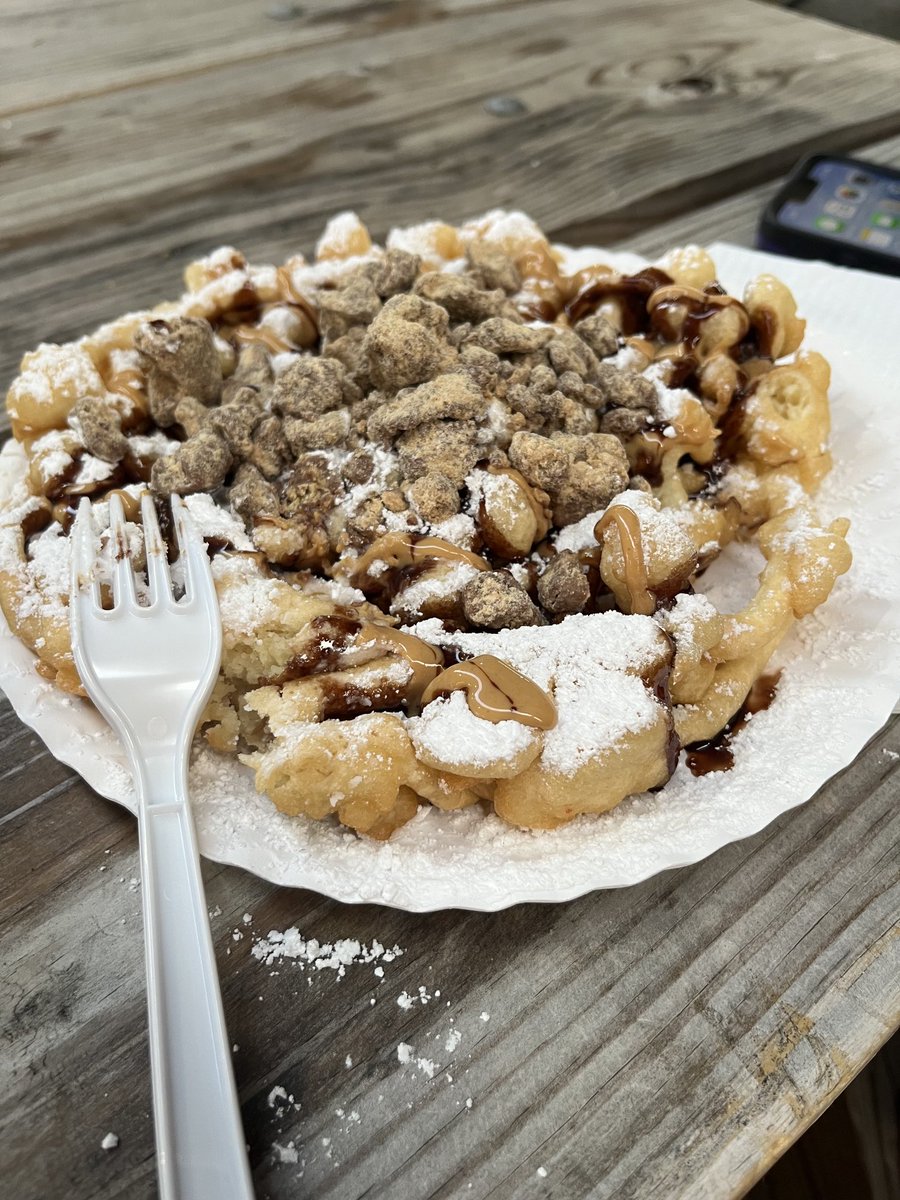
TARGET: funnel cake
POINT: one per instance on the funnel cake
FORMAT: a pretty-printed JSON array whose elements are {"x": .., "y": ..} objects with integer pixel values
[{"x": 457, "y": 500}]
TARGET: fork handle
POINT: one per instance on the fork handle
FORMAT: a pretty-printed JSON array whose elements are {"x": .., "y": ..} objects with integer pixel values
[{"x": 200, "y": 1141}]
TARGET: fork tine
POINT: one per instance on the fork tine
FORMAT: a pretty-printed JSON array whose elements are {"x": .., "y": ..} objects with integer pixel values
[
  {"x": 192, "y": 548},
  {"x": 123, "y": 576},
  {"x": 155, "y": 552},
  {"x": 84, "y": 584}
]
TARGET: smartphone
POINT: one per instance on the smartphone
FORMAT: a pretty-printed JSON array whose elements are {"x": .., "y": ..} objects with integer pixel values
[{"x": 844, "y": 210}]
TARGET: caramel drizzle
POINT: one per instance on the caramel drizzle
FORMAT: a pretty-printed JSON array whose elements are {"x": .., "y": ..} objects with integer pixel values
[
  {"x": 424, "y": 660},
  {"x": 635, "y": 567},
  {"x": 131, "y": 505},
  {"x": 127, "y": 382},
  {"x": 130, "y": 383},
  {"x": 258, "y": 334},
  {"x": 690, "y": 432},
  {"x": 290, "y": 294},
  {"x": 406, "y": 549},
  {"x": 540, "y": 512},
  {"x": 496, "y": 692}
]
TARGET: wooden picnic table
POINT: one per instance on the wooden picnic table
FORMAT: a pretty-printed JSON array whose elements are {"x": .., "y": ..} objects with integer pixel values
[{"x": 670, "y": 1040}]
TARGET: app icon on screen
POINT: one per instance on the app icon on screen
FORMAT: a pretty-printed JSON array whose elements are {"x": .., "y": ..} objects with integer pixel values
[
  {"x": 837, "y": 209},
  {"x": 879, "y": 238},
  {"x": 885, "y": 220},
  {"x": 829, "y": 224},
  {"x": 848, "y": 193}
]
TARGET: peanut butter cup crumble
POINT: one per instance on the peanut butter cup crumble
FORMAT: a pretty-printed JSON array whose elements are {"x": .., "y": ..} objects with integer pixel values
[{"x": 456, "y": 499}]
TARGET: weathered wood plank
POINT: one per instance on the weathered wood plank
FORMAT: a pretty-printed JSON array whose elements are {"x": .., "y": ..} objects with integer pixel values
[
  {"x": 333, "y": 116},
  {"x": 614, "y": 141},
  {"x": 668, "y": 1040},
  {"x": 163, "y": 42}
]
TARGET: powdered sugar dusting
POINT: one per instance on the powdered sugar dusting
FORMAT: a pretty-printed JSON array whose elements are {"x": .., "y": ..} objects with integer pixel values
[
  {"x": 580, "y": 535},
  {"x": 433, "y": 585},
  {"x": 583, "y": 662},
  {"x": 213, "y": 521},
  {"x": 841, "y": 669},
  {"x": 449, "y": 731},
  {"x": 249, "y": 600},
  {"x": 660, "y": 527}
]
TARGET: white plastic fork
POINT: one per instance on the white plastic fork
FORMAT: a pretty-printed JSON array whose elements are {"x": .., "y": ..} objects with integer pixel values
[{"x": 150, "y": 670}]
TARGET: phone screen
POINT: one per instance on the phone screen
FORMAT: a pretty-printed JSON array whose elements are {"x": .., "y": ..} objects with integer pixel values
[{"x": 848, "y": 202}]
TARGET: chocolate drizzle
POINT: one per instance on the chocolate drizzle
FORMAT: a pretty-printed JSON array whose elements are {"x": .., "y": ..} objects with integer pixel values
[
  {"x": 331, "y": 635},
  {"x": 631, "y": 291},
  {"x": 716, "y": 754},
  {"x": 681, "y": 312},
  {"x": 659, "y": 686}
]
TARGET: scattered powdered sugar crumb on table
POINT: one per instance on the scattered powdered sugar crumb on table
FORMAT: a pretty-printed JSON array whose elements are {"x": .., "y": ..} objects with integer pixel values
[
  {"x": 334, "y": 956},
  {"x": 454, "y": 1037},
  {"x": 110, "y": 1142},
  {"x": 405, "y": 1056},
  {"x": 405, "y": 1000}
]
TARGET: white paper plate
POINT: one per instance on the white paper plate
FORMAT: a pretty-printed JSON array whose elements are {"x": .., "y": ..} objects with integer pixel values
[{"x": 840, "y": 683}]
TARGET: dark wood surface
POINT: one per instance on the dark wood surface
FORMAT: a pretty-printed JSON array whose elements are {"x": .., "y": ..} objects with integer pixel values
[{"x": 669, "y": 1040}]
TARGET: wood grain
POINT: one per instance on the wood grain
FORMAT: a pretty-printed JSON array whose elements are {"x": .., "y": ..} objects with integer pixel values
[
  {"x": 669, "y": 1040},
  {"x": 635, "y": 115},
  {"x": 666, "y": 1041}
]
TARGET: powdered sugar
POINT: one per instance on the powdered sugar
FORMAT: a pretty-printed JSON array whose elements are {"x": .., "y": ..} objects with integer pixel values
[
  {"x": 334, "y": 956},
  {"x": 49, "y": 567},
  {"x": 660, "y": 527},
  {"x": 53, "y": 454},
  {"x": 152, "y": 445},
  {"x": 427, "y": 240},
  {"x": 450, "y": 732},
  {"x": 91, "y": 470},
  {"x": 339, "y": 235},
  {"x": 627, "y": 358},
  {"x": 405, "y": 1056},
  {"x": 504, "y": 228},
  {"x": 583, "y": 661},
  {"x": 682, "y": 619},
  {"x": 459, "y": 529},
  {"x": 213, "y": 521},
  {"x": 580, "y": 535},
  {"x": 249, "y": 600},
  {"x": 433, "y": 585},
  {"x": 53, "y": 371}
]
